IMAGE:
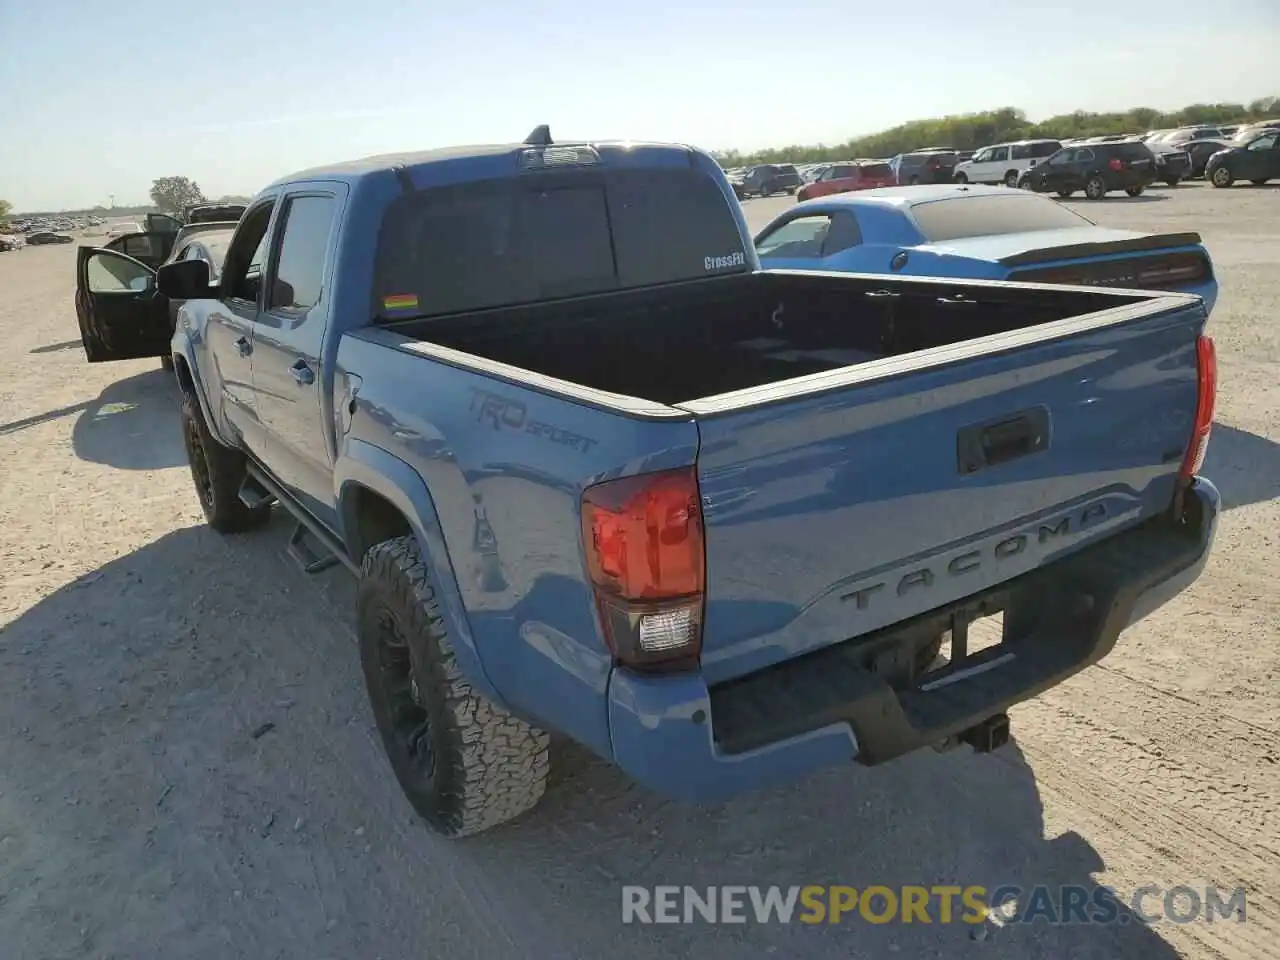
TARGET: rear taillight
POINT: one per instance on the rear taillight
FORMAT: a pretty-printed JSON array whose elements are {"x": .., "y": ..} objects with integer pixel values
[
  {"x": 1115, "y": 163},
  {"x": 1206, "y": 394},
  {"x": 645, "y": 558}
]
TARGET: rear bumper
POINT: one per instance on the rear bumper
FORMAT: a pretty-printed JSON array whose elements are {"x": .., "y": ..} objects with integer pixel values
[{"x": 684, "y": 740}]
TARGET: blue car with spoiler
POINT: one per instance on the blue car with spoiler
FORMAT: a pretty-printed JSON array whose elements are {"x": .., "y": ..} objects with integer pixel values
[
  {"x": 973, "y": 232},
  {"x": 597, "y": 473}
]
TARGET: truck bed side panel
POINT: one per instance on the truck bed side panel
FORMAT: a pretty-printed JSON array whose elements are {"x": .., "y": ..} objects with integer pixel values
[
  {"x": 506, "y": 466},
  {"x": 839, "y": 513}
]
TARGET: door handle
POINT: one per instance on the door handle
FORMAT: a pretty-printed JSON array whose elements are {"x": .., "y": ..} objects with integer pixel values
[
  {"x": 243, "y": 346},
  {"x": 302, "y": 373}
]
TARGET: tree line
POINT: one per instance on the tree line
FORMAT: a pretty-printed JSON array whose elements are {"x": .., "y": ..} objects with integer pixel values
[
  {"x": 970, "y": 131},
  {"x": 168, "y": 195}
]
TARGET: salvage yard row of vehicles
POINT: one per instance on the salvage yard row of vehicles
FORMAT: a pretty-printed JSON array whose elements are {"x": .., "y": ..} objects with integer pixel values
[
  {"x": 600, "y": 473},
  {"x": 1174, "y": 155}
]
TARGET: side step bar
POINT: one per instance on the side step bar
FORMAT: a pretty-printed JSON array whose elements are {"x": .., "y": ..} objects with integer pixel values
[{"x": 311, "y": 545}]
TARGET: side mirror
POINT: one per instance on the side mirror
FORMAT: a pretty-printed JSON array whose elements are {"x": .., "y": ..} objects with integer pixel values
[{"x": 185, "y": 280}]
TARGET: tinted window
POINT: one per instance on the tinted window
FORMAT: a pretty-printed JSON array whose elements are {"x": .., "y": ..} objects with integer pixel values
[
  {"x": 875, "y": 170},
  {"x": 553, "y": 235},
  {"x": 1131, "y": 151},
  {"x": 984, "y": 216},
  {"x": 841, "y": 172},
  {"x": 301, "y": 262},
  {"x": 801, "y": 237},
  {"x": 843, "y": 233},
  {"x": 111, "y": 274}
]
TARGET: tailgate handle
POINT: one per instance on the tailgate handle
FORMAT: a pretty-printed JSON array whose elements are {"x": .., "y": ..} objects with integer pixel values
[{"x": 988, "y": 444}]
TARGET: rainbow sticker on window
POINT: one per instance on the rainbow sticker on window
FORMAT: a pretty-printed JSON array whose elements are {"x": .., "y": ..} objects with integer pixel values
[{"x": 400, "y": 303}]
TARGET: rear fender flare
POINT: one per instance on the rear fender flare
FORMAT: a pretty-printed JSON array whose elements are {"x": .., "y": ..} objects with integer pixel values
[{"x": 364, "y": 465}]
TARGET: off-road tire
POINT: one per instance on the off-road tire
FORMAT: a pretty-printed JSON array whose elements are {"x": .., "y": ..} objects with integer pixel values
[
  {"x": 486, "y": 766},
  {"x": 217, "y": 473},
  {"x": 1095, "y": 188}
]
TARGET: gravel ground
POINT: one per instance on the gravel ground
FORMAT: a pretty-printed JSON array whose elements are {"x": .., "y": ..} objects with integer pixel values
[{"x": 188, "y": 767}]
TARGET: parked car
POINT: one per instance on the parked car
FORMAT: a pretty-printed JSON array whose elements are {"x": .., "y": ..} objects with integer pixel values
[
  {"x": 128, "y": 264},
  {"x": 1256, "y": 160},
  {"x": 1184, "y": 135},
  {"x": 212, "y": 213},
  {"x": 1173, "y": 160},
  {"x": 981, "y": 233},
  {"x": 1198, "y": 154},
  {"x": 565, "y": 440},
  {"x": 843, "y": 177},
  {"x": 45, "y": 237},
  {"x": 1004, "y": 162},
  {"x": 767, "y": 179},
  {"x": 1096, "y": 168},
  {"x": 931, "y": 165}
]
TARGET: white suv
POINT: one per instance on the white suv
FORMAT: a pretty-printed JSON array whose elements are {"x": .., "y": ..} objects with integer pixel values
[{"x": 1005, "y": 162}]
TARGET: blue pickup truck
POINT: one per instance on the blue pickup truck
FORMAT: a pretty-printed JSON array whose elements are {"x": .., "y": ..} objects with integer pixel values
[{"x": 598, "y": 473}]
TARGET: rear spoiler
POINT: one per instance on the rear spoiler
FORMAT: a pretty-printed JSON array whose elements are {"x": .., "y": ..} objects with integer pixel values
[{"x": 1158, "y": 241}]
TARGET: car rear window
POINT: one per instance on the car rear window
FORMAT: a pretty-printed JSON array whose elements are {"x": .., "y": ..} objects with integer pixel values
[
  {"x": 550, "y": 235},
  {"x": 1132, "y": 151},
  {"x": 875, "y": 169},
  {"x": 984, "y": 216}
]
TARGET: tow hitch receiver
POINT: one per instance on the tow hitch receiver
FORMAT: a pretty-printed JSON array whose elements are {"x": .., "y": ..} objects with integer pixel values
[{"x": 991, "y": 734}]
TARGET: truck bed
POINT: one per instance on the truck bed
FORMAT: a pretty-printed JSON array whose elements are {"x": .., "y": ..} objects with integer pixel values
[
  {"x": 871, "y": 492},
  {"x": 683, "y": 342}
]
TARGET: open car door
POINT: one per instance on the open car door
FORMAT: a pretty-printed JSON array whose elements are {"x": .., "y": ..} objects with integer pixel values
[{"x": 121, "y": 315}]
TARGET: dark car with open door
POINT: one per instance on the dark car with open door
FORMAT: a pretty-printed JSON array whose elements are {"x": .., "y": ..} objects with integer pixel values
[
  {"x": 1256, "y": 160},
  {"x": 1199, "y": 152},
  {"x": 120, "y": 312}
]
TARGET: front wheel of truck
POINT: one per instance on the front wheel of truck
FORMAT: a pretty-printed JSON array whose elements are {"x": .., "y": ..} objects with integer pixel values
[
  {"x": 465, "y": 764},
  {"x": 217, "y": 472}
]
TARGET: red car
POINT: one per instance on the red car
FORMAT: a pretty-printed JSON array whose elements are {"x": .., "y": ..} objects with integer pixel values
[{"x": 844, "y": 177}]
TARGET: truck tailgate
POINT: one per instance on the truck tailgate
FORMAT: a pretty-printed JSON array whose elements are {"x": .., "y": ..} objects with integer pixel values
[{"x": 840, "y": 503}]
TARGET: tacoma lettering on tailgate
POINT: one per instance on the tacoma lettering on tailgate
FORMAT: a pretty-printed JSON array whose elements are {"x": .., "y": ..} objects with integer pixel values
[{"x": 1014, "y": 545}]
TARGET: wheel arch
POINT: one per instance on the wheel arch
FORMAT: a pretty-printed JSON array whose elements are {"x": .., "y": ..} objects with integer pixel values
[{"x": 380, "y": 497}]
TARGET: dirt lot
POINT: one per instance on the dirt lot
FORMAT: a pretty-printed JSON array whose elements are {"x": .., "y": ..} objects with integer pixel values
[{"x": 144, "y": 812}]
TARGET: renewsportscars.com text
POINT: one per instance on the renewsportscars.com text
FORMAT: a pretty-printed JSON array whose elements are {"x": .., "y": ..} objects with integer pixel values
[{"x": 941, "y": 904}]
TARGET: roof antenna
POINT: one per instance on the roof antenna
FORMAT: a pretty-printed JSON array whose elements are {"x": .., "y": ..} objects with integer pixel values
[{"x": 541, "y": 136}]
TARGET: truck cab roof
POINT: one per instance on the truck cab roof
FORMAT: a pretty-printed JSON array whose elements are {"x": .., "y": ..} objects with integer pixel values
[{"x": 452, "y": 165}]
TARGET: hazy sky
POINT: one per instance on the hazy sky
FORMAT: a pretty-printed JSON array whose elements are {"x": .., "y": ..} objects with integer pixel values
[{"x": 100, "y": 98}]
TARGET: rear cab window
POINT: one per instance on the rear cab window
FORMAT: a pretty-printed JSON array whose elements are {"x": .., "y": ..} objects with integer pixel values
[
  {"x": 549, "y": 235},
  {"x": 1132, "y": 150},
  {"x": 984, "y": 216}
]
